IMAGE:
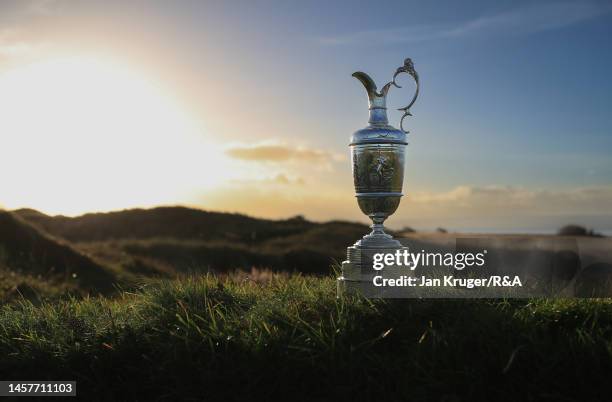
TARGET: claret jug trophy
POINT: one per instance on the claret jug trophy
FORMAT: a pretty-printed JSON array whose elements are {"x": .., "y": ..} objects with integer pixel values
[{"x": 377, "y": 155}]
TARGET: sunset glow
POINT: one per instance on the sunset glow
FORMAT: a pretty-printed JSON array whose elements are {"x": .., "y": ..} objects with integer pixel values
[
  {"x": 248, "y": 108},
  {"x": 88, "y": 134}
]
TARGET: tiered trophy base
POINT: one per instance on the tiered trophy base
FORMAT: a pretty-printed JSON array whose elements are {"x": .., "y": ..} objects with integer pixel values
[{"x": 358, "y": 271}]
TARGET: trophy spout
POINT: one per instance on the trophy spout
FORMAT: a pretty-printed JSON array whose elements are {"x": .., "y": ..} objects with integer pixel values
[
  {"x": 377, "y": 100},
  {"x": 368, "y": 83}
]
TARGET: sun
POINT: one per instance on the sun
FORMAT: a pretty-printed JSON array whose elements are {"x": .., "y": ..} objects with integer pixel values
[{"x": 80, "y": 134}]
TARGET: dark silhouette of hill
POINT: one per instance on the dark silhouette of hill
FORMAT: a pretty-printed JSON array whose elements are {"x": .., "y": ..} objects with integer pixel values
[
  {"x": 126, "y": 247},
  {"x": 169, "y": 222},
  {"x": 164, "y": 241},
  {"x": 31, "y": 256}
]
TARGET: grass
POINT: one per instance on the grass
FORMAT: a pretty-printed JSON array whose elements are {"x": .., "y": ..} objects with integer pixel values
[{"x": 289, "y": 338}]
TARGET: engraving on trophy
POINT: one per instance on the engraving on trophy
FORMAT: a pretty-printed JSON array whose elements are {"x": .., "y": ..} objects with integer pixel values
[
  {"x": 378, "y": 168},
  {"x": 357, "y": 179},
  {"x": 383, "y": 170}
]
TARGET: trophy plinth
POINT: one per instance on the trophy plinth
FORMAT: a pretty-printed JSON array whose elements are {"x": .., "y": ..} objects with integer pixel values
[{"x": 377, "y": 154}]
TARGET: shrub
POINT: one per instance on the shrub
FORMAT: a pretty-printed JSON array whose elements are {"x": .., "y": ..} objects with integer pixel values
[{"x": 577, "y": 230}]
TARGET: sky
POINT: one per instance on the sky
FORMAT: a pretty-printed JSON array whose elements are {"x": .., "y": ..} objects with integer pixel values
[{"x": 247, "y": 106}]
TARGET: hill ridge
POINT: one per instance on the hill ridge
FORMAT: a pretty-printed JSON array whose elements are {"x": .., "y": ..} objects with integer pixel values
[{"x": 27, "y": 250}]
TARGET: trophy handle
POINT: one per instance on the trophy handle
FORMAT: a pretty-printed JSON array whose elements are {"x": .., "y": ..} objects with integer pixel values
[{"x": 407, "y": 68}]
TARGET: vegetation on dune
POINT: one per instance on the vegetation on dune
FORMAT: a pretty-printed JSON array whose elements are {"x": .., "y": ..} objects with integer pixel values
[
  {"x": 165, "y": 222},
  {"x": 35, "y": 261},
  {"x": 277, "y": 336},
  {"x": 45, "y": 256},
  {"x": 577, "y": 230},
  {"x": 166, "y": 241},
  {"x": 268, "y": 335}
]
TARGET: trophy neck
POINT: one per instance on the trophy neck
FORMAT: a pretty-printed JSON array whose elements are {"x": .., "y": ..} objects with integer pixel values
[{"x": 378, "y": 111}]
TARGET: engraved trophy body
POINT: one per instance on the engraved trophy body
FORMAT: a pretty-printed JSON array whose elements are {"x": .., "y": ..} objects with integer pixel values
[{"x": 377, "y": 154}]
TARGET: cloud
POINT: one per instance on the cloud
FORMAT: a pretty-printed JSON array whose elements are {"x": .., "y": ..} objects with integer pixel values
[
  {"x": 281, "y": 179},
  {"x": 20, "y": 34},
  {"x": 589, "y": 200},
  {"x": 508, "y": 207},
  {"x": 44, "y": 7},
  {"x": 277, "y": 202},
  {"x": 13, "y": 42},
  {"x": 279, "y": 153},
  {"x": 520, "y": 21}
]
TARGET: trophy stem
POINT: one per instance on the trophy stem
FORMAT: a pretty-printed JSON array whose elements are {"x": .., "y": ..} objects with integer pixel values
[
  {"x": 378, "y": 227},
  {"x": 377, "y": 238}
]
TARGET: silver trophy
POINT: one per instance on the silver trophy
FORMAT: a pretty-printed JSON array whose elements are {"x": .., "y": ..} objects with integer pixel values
[{"x": 377, "y": 154}]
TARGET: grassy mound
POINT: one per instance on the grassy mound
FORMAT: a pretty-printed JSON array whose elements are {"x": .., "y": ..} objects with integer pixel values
[
  {"x": 32, "y": 261},
  {"x": 289, "y": 337},
  {"x": 165, "y": 241}
]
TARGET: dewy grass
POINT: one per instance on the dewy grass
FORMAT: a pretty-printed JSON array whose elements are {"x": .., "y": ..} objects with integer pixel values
[{"x": 289, "y": 337}]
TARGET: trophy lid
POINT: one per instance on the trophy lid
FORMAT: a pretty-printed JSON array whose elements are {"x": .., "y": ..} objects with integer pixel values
[
  {"x": 378, "y": 135},
  {"x": 379, "y": 131}
]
